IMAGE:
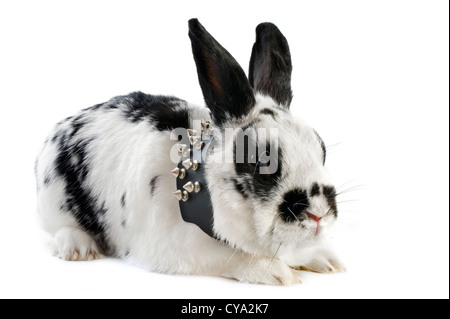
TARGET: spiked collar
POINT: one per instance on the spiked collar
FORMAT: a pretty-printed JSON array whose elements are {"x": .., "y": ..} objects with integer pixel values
[{"x": 192, "y": 189}]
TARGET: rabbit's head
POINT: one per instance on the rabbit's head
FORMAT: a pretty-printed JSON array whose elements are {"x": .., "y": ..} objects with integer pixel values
[{"x": 269, "y": 187}]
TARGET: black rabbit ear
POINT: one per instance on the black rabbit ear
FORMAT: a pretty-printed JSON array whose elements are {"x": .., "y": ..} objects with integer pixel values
[
  {"x": 225, "y": 87},
  {"x": 270, "y": 64}
]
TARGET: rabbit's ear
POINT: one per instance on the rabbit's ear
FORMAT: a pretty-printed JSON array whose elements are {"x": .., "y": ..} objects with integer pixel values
[
  {"x": 270, "y": 64},
  {"x": 225, "y": 87}
]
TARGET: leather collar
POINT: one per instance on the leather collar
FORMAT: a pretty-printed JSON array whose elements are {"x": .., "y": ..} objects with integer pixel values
[{"x": 192, "y": 187}]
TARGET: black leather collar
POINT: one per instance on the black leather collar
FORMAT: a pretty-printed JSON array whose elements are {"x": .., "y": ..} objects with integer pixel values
[{"x": 192, "y": 187}]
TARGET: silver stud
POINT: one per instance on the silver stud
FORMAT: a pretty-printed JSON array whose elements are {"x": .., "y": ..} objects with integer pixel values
[
  {"x": 181, "y": 195},
  {"x": 206, "y": 124},
  {"x": 192, "y": 187},
  {"x": 207, "y": 127},
  {"x": 199, "y": 145},
  {"x": 192, "y": 132},
  {"x": 194, "y": 165},
  {"x": 182, "y": 148},
  {"x": 189, "y": 187},
  {"x": 187, "y": 164},
  {"x": 178, "y": 194},
  {"x": 177, "y": 172},
  {"x": 194, "y": 139}
]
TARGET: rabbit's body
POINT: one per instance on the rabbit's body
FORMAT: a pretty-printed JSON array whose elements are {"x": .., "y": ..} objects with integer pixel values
[
  {"x": 106, "y": 172},
  {"x": 104, "y": 182}
]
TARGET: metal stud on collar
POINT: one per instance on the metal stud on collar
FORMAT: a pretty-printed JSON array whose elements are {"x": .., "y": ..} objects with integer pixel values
[
  {"x": 187, "y": 163},
  {"x": 207, "y": 127},
  {"x": 192, "y": 187},
  {"x": 199, "y": 145},
  {"x": 181, "y": 195},
  {"x": 194, "y": 139},
  {"x": 192, "y": 132},
  {"x": 184, "y": 151},
  {"x": 177, "y": 172}
]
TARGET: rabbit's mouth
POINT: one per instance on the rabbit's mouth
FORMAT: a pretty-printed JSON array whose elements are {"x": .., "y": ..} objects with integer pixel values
[{"x": 317, "y": 220}]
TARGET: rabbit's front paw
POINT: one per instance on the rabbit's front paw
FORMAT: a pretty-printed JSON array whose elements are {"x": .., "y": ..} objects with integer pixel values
[
  {"x": 266, "y": 271},
  {"x": 324, "y": 263}
]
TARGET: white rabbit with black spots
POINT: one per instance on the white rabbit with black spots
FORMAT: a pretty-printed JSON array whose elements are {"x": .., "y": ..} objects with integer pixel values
[{"x": 106, "y": 185}]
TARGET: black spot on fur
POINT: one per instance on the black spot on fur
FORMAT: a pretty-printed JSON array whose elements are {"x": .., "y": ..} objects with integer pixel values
[
  {"x": 315, "y": 190},
  {"x": 153, "y": 185},
  {"x": 330, "y": 194},
  {"x": 269, "y": 112},
  {"x": 240, "y": 188},
  {"x": 165, "y": 113},
  {"x": 56, "y": 137},
  {"x": 80, "y": 201},
  {"x": 123, "y": 200},
  {"x": 124, "y": 223},
  {"x": 77, "y": 124},
  {"x": 47, "y": 179},
  {"x": 95, "y": 107},
  {"x": 65, "y": 120},
  {"x": 294, "y": 204}
]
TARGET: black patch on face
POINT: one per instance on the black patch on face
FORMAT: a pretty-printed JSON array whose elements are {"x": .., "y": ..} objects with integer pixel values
[
  {"x": 124, "y": 223},
  {"x": 315, "y": 190},
  {"x": 153, "y": 185},
  {"x": 269, "y": 112},
  {"x": 294, "y": 204},
  {"x": 123, "y": 200},
  {"x": 165, "y": 113},
  {"x": 330, "y": 194},
  {"x": 84, "y": 206},
  {"x": 322, "y": 144},
  {"x": 240, "y": 188},
  {"x": 259, "y": 184}
]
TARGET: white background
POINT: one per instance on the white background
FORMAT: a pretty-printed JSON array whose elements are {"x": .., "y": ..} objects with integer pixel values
[{"x": 371, "y": 77}]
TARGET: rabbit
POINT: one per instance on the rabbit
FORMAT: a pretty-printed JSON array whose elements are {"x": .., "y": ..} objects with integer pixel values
[{"x": 112, "y": 180}]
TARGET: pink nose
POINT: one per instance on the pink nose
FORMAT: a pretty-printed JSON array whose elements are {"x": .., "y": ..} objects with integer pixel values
[{"x": 313, "y": 217}]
